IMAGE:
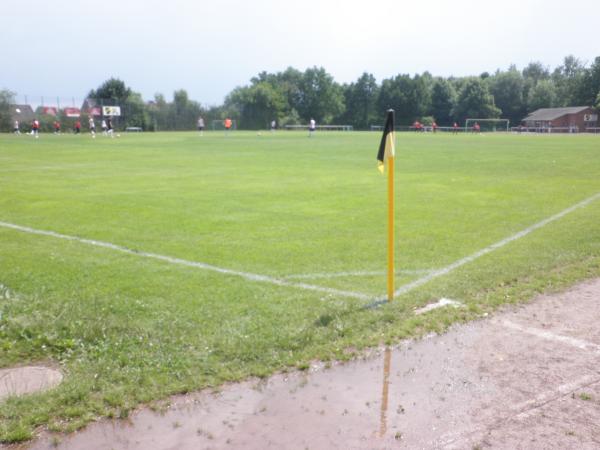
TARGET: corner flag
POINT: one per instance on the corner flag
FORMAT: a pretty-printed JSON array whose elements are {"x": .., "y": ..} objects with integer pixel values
[
  {"x": 385, "y": 157},
  {"x": 386, "y": 147}
]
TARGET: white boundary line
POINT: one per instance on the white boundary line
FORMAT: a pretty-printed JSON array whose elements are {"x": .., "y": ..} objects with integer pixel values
[
  {"x": 280, "y": 282},
  {"x": 359, "y": 273},
  {"x": 461, "y": 262},
  {"x": 439, "y": 304},
  {"x": 544, "y": 334},
  {"x": 517, "y": 411},
  {"x": 198, "y": 265}
]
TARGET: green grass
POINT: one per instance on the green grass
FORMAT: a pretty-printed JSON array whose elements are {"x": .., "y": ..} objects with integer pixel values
[{"x": 128, "y": 330}]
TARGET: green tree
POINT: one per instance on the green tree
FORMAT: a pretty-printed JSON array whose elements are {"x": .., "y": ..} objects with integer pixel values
[
  {"x": 321, "y": 97},
  {"x": 598, "y": 100},
  {"x": 136, "y": 112},
  {"x": 289, "y": 83},
  {"x": 567, "y": 79},
  {"x": 158, "y": 113},
  {"x": 409, "y": 97},
  {"x": 257, "y": 105},
  {"x": 507, "y": 89},
  {"x": 543, "y": 95},
  {"x": 113, "y": 88},
  {"x": 6, "y": 99},
  {"x": 443, "y": 97},
  {"x": 360, "y": 98},
  {"x": 475, "y": 101},
  {"x": 590, "y": 84},
  {"x": 536, "y": 71},
  {"x": 115, "y": 92},
  {"x": 183, "y": 112}
]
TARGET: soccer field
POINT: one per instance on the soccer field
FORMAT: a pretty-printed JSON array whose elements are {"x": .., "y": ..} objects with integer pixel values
[{"x": 154, "y": 264}]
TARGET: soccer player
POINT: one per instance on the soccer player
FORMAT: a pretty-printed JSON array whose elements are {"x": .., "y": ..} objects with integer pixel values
[
  {"x": 312, "y": 126},
  {"x": 56, "y": 127},
  {"x": 227, "y": 124},
  {"x": 201, "y": 125},
  {"x": 434, "y": 126},
  {"x": 92, "y": 127},
  {"x": 104, "y": 127},
  {"x": 455, "y": 128},
  {"x": 16, "y": 129},
  {"x": 273, "y": 125},
  {"x": 109, "y": 128},
  {"x": 476, "y": 127},
  {"x": 35, "y": 128},
  {"x": 77, "y": 126}
]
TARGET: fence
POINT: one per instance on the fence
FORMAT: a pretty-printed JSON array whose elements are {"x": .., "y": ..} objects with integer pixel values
[
  {"x": 552, "y": 130},
  {"x": 321, "y": 127}
]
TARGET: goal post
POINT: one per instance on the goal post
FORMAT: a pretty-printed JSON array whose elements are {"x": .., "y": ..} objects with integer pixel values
[{"x": 488, "y": 124}]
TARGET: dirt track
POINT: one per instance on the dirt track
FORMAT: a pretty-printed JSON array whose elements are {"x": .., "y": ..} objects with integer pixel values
[{"x": 527, "y": 378}]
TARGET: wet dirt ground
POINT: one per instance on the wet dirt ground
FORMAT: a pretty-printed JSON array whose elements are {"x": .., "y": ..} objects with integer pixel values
[{"x": 526, "y": 378}]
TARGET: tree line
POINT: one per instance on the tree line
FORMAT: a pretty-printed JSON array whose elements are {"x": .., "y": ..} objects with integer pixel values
[{"x": 293, "y": 97}]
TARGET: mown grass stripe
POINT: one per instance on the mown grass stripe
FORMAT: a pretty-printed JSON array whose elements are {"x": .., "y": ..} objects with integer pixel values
[
  {"x": 467, "y": 259},
  {"x": 195, "y": 264}
]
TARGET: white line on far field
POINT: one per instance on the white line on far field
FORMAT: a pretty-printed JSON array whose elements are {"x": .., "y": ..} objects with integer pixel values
[
  {"x": 197, "y": 265},
  {"x": 467, "y": 259}
]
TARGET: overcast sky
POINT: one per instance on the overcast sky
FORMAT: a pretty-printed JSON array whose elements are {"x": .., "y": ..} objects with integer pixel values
[{"x": 64, "y": 47}]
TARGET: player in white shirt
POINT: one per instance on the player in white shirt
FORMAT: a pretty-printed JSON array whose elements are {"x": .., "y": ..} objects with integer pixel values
[
  {"x": 312, "y": 126},
  {"x": 92, "y": 127}
]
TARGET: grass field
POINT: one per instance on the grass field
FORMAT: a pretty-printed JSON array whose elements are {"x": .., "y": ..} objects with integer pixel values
[{"x": 129, "y": 329}]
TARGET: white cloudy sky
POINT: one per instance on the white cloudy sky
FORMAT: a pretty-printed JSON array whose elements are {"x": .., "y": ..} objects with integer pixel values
[{"x": 65, "y": 47}]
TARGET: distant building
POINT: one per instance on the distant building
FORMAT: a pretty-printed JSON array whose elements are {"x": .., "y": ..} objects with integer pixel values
[
  {"x": 91, "y": 108},
  {"x": 47, "y": 110},
  {"x": 72, "y": 112},
  {"x": 574, "y": 118},
  {"x": 22, "y": 113}
]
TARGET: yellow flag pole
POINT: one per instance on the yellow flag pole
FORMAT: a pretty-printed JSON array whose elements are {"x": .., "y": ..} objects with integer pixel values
[
  {"x": 390, "y": 272},
  {"x": 385, "y": 156}
]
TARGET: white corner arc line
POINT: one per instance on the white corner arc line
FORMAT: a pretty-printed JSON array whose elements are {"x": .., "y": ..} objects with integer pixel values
[
  {"x": 183, "y": 262},
  {"x": 467, "y": 259}
]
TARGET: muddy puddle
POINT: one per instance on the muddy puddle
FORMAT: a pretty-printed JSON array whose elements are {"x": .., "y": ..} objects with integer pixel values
[{"x": 526, "y": 378}]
